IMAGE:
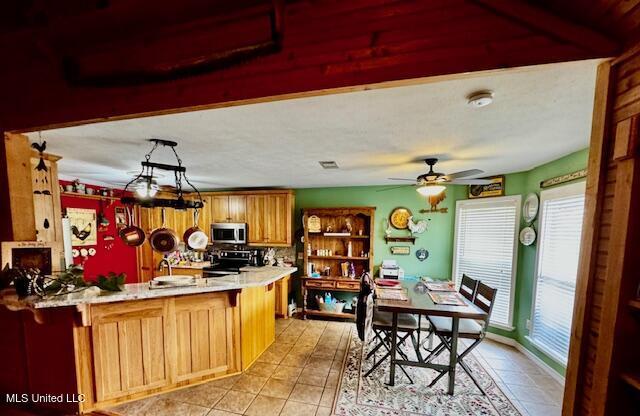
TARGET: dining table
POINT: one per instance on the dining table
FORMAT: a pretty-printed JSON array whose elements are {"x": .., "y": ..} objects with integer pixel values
[{"x": 420, "y": 303}]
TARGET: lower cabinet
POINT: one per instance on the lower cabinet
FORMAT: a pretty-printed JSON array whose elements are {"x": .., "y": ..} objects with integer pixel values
[
  {"x": 283, "y": 287},
  {"x": 129, "y": 345},
  {"x": 158, "y": 344},
  {"x": 204, "y": 336},
  {"x": 257, "y": 306}
]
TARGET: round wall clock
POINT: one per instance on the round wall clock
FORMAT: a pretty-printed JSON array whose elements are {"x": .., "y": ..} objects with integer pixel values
[
  {"x": 399, "y": 218},
  {"x": 422, "y": 254},
  {"x": 527, "y": 236}
]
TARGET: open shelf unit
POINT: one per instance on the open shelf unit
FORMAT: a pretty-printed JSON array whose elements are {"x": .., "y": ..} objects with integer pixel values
[{"x": 361, "y": 240}]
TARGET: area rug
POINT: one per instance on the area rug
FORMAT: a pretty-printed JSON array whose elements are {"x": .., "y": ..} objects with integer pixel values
[{"x": 370, "y": 396}]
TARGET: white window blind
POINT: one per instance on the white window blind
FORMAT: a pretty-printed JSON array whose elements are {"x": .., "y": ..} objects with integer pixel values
[
  {"x": 561, "y": 213},
  {"x": 485, "y": 248}
]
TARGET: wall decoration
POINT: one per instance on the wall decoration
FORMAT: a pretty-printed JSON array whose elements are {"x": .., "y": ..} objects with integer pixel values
[
  {"x": 527, "y": 236},
  {"x": 400, "y": 250},
  {"x": 313, "y": 224},
  {"x": 121, "y": 218},
  {"x": 579, "y": 174},
  {"x": 422, "y": 254},
  {"x": 495, "y": 188},
  {"x": 399, "y": 218},
  {"x": 434, "y": 201},
  {"x": 417, "y": 227},
  {"x": 530, "y": 208},
  {"x": 83, "y": 226}
]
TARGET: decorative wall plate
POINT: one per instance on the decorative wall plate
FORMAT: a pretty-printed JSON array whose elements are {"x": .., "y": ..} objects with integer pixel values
[
  {"x": 527, "y": 236},
  {"x": 399, "y": 218},
  {"x": 530, "y": 208},
  {"x": 313, "y": 224},
  {"x": 422, "y": 254}
]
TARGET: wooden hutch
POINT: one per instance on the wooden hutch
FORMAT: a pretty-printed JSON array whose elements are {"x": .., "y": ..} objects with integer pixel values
[{"x": 326, "y": 248}]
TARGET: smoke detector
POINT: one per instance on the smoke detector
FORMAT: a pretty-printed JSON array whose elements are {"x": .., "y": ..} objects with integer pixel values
[
  {"x": 480, "y": 99},
  {"x": 328, "y": 164}
]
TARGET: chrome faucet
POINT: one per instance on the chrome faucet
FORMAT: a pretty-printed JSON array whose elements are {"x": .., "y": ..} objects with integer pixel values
[{"x": 163, "y": 261}]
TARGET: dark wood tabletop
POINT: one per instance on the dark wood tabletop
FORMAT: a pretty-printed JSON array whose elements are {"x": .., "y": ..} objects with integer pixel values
[{"x": 421, "y": 303}]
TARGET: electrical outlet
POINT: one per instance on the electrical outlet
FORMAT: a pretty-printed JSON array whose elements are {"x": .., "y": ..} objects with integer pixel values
[{"x": 528, "y": 324}]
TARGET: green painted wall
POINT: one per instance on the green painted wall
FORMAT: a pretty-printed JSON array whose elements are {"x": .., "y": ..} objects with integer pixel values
[{"x": 438, "y": 239}]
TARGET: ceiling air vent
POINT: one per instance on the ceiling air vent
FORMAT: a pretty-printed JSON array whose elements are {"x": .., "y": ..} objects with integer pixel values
[{"x": 328, "y": 164}]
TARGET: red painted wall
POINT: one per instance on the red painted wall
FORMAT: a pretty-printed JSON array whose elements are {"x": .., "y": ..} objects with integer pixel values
[{"x": 111, "y": 256}]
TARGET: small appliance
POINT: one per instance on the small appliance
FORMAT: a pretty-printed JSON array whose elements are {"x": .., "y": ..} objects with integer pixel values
[
  {"x": 390, "y": 270},
  {"x": 228, "y": 233}
]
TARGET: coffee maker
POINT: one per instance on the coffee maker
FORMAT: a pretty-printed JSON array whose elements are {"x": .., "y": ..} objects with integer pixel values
[{"x": 256, "y": 257}]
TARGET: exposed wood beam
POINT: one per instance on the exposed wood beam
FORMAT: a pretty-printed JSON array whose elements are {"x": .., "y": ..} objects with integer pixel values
[{"x": 543, "y": 21}]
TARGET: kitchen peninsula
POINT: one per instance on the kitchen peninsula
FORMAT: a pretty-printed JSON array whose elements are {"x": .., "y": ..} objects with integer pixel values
[{"x": 140, "y": 341}]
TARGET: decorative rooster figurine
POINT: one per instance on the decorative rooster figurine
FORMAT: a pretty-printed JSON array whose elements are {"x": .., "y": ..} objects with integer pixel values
[{"x": 417, "y": 227}]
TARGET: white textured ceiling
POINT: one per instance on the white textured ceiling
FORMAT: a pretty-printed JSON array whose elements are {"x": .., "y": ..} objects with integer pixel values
[{"x": 539, "y": 114}]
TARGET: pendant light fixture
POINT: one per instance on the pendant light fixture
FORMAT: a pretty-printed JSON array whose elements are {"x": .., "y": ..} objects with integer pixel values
[
  {"x": 146, "y": 188},
  {"x": 430, "y": 189}
]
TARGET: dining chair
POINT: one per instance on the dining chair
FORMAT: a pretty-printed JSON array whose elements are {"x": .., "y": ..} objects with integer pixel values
[
  {"x": 376, "y": 325},
  {"x": 468, "y": 328},
  {"x": 468, "y": 287}
]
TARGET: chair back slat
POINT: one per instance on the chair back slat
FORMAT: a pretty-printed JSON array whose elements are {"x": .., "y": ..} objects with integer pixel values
[
  {"x": 364, "y": 308},
  {"x": 468, "y": 287},
  {"x": 485, "y": 297}
]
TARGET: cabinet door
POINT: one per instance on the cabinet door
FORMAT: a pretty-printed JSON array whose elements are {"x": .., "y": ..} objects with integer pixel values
[
  {"x": 256, "y": 218},
  {"x": 129, "y": 344},
  {"x": 257, "y": 320},
  {"x": 282, "y": 297},
  {"x": 237, "y": 208},
  {"x": 204, "y": 336},
  {"x": 220, "y": 208},
  {"x": 277, "y": 219}
]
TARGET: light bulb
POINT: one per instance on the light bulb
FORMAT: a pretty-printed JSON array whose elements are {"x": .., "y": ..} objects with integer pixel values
[{"x": 430, "y": 189}]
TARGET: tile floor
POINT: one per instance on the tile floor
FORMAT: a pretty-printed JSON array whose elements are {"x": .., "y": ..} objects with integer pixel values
[{"x": 298, "y": 375}]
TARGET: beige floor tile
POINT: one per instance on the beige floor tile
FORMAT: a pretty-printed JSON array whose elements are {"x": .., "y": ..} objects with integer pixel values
[
  {"x": 262, "y": 369},
  {"x": 249, "y": 383},
  {"x": 514, "y": 377},
  {"x": 313, "y": 380},
  {"x": 132, "y": 408},
  {"x": 277, "y": 388},
  {"x": 328, "y": 394},
  {"x": 314, "y": 371},
  {"x": 323, "y": 411},
  {"x": 537, "y": 409},
  {"x": 168, "y": 407},
  {"x": 298, "y": 409},
  {"x": 284, "y": 372},
  {"x": 319, "y": 363},
  {"x": 265, "y": 406},
  {"x": 226, "y": 382},
  {"x": 235, "y": 401},
  {"x": 205, "y": 395},
  {"x": 336, "y": 365},
  {"x": 529, "y": 394},
  {"x": 295, "y": 360},
  {"x": 216, "y": 412},
  {"x": 333, "y": 378},
  {"x": 306, "y": 394},
  {"x": 270, "y": 358}
]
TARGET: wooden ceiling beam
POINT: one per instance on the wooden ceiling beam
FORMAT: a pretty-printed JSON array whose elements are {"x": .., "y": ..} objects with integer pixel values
[{"x": 545, "y": 22}]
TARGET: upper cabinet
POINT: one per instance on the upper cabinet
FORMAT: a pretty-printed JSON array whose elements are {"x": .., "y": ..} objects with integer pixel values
[
  {"x": 227, "y": 208},
  {"x": 270, "y": 218}
]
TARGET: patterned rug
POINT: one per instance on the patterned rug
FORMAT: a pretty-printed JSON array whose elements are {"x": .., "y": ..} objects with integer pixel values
[{"x": 370, "y": 396}]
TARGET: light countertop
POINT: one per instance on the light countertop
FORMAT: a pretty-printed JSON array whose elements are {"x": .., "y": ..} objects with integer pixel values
[{"x": 248, "y": 277}]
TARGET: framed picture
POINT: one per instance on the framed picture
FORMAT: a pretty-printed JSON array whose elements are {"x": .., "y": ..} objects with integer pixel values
[
  {"x": 121, "y": 218},
  {"x": 83, "y": 226},
  {"x": 495, "y": 188}
]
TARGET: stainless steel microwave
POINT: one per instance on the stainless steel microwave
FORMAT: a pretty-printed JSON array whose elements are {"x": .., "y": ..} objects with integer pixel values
[{"x": 229, "y": 233}]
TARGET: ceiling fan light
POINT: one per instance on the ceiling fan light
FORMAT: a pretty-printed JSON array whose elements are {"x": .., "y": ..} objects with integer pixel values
[{"x": 430, "y": 189}]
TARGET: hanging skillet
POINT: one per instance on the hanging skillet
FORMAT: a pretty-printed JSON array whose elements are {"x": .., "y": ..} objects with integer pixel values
[
  {"x": 163, "y": 240},
  {"x": 194, "y": 237},
  {"x": 132, "y": 235}
]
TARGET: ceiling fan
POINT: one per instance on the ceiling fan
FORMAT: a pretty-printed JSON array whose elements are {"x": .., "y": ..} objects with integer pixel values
[{"x": 432, "y": 183}]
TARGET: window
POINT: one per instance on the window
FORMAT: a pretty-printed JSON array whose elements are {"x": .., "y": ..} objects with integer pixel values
[
  {"x": 560, "y": 230},
  {"x": 485, "y": 249}
]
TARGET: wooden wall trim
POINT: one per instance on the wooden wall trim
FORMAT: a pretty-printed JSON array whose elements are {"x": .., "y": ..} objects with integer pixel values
[{"x": 593, "y": 201}]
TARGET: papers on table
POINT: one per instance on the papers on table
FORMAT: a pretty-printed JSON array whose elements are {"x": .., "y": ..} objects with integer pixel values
[
  {"x": 392, "y": 294},
  {"x": 448, "y": 298},
  {"x": 441, "y": 286}
]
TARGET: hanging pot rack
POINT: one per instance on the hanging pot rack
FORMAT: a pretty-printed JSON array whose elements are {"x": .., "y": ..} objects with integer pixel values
[{"x": 146, "y": 176}]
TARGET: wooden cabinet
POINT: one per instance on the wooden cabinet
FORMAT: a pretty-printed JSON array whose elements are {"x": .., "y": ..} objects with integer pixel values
[
  {"x": 269, "y": 218},
  {"x": 228, "y": 208},
  {"x": 204, "y": 336},
  {"x": 257, "y": 306},
  {"x": 129, "y": 344},
  {"x": 283, "y": 287}
]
